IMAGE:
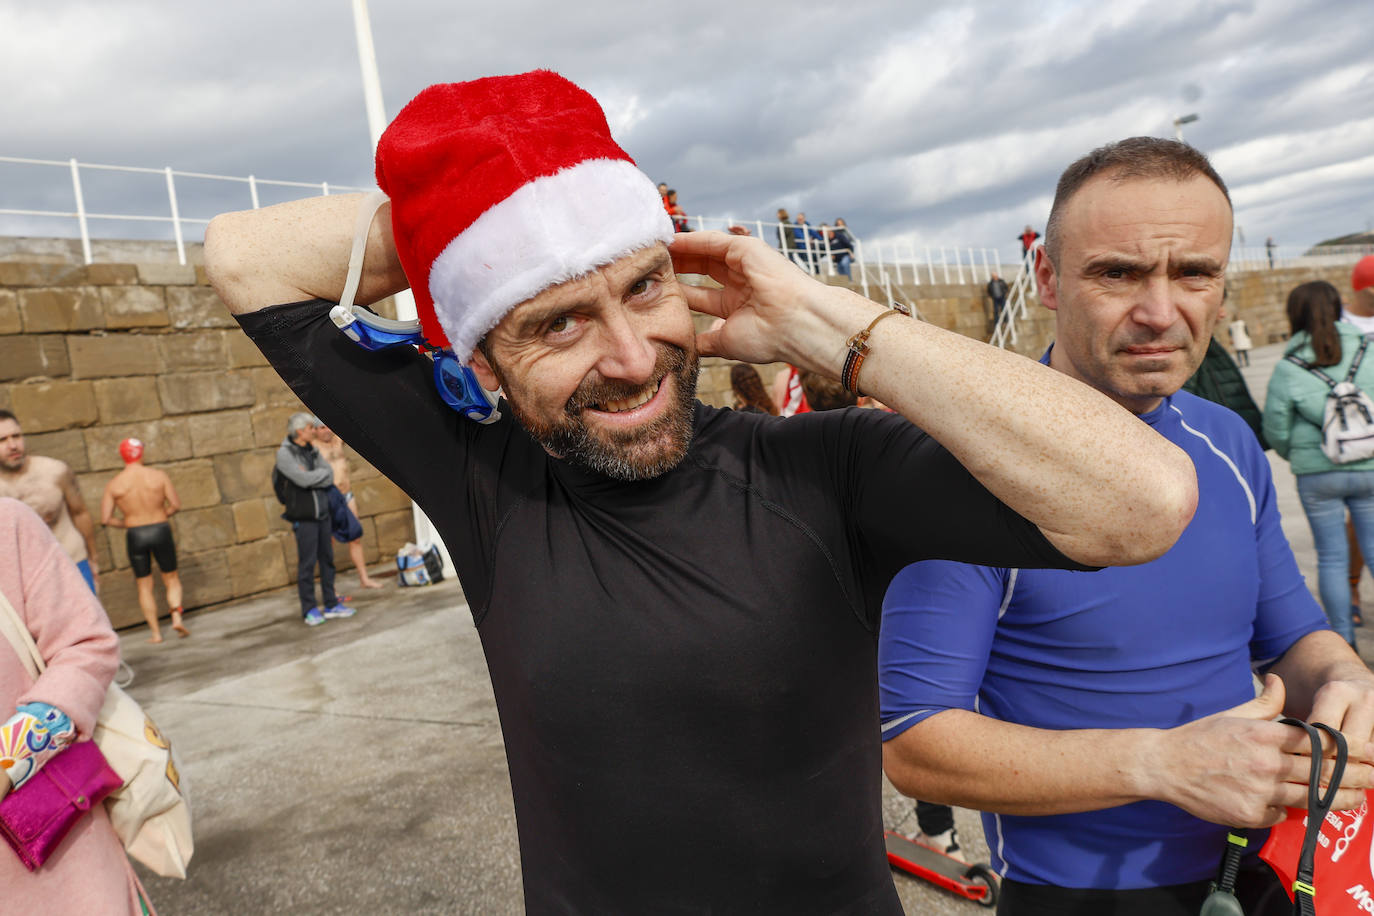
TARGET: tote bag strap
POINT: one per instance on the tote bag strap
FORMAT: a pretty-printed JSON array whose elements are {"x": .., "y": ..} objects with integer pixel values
[{"x": 17, "y": 632}]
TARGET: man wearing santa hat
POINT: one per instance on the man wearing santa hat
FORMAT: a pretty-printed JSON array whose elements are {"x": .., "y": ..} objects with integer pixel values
[{"x": 678, "y": 604}]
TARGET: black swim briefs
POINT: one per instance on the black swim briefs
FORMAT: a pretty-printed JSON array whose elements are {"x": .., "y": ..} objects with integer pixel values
[{"x": 148, "y": 541}]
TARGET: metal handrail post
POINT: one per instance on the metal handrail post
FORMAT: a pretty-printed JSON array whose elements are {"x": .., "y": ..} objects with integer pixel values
[
  {"x": 930, "y": 265},
  {"x": 81, "y": 212},
  {"x": 758, "y": 224},
  {"x": 253, "y": 192},
  {"x": 324, "y": 186},
  {"x": 987, "y": 271},
  {"x": 972, "y": 268},
  {"x": 829, "y": 256},
  {"x": 959, "y": 266},
  {"x": 176, "y": 216},
  {"x": 862, "y": 264},
  {"x": 944, "y": 262}
]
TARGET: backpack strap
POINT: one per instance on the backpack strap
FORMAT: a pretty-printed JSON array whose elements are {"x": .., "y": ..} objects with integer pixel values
[
  {"x": 1304, "y": 364},
  {"x": 1359, "y": 355},
  {"x": 1330, "y": 382}
]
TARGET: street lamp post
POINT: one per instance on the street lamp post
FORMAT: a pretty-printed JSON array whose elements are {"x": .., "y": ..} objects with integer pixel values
[{"x": 1178, "y": 125}]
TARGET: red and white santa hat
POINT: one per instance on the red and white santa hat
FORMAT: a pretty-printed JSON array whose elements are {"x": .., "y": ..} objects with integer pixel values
[{"x": 503, "y": 187}]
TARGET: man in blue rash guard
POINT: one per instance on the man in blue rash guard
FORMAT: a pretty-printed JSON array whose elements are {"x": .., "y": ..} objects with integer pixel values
[{"x": 1107, "y": 721}]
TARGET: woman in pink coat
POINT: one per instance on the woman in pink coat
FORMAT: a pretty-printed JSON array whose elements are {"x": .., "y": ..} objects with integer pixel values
[{"x": 88, "y": 874}]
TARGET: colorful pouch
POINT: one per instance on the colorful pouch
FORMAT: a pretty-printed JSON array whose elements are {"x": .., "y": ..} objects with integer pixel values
[{"x": 35, "y": 818}]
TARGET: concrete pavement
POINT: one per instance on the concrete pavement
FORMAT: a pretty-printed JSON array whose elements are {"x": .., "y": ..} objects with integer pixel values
[{"x": 357, "y": 767}]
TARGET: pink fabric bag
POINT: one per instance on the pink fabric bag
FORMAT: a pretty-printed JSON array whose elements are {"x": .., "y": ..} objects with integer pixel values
[{"x": 35, "y": 817}]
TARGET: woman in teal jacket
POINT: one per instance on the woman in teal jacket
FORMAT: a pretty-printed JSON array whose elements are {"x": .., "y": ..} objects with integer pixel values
[{"x": 1293, "y": 412}]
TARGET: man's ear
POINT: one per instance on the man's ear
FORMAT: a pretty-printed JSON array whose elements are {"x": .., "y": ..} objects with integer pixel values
[
  {"x": 1045, "y": 280},
  {"x": 482, "y": 369}
]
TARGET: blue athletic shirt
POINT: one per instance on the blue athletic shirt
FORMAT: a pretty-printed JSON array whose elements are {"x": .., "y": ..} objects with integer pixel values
[{"x": 1156, "y": 645}]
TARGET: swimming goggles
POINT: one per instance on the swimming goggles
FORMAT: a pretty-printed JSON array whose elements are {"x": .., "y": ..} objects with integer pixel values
[{"x": 456, "y": 383}]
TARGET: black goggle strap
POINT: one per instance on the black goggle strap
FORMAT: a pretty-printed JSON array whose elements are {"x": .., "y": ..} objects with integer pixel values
[{"x": 1318, "y": 806}]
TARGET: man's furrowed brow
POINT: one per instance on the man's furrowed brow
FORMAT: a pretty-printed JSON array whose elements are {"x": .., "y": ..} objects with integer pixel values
[
  {"x": 1116, "y": 261},
  {"x": 1198, "y": 262}
]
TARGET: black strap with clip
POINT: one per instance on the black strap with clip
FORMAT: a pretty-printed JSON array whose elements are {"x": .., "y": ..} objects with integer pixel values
[
  {"x": 1304, "y": 885},
  {"x": 1222, "y": 900}
]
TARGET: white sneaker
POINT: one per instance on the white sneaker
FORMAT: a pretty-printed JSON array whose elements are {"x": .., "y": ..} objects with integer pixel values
[{"x": 947, "y": 842}]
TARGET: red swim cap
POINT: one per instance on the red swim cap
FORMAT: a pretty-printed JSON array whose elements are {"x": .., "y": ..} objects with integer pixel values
[
  {"x": 131, "y": 450},
  {"x": 1363, "y": 274}
]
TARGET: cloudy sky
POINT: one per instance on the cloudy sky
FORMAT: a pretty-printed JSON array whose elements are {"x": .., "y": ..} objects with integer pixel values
[{"x": 942, "y": 123}]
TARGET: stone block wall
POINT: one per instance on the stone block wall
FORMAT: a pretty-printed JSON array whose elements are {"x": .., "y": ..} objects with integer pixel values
[
  {"x": 90, "y": 355},
  {"x": 1261, "y": 297}
]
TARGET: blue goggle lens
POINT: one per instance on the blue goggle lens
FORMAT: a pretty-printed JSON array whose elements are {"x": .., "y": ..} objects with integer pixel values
[{"x": 459, "y": 388}]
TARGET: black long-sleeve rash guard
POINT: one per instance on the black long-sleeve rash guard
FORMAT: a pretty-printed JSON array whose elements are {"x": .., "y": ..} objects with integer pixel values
[{"x": 684, "y": 667}]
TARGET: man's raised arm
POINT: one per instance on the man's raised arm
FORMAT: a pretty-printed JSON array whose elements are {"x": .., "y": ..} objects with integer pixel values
[
  {"x": 1103, "y": 487},
  {"x": 298, "y": 250}
]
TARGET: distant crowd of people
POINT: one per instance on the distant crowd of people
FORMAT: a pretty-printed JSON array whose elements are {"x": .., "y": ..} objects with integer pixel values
[{"x": 806, "y": 245}]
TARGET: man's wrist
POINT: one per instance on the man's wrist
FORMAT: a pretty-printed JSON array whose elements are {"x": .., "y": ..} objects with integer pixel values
[
  {"x": 1141, "y": 762},
  {"x": 820, "y": 335}
]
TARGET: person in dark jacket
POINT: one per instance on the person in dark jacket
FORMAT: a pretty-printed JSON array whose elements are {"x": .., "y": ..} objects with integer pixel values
[
  {"x": 842, "y": 247},
  {"x": 807, "y": 242},
  {"x": 1218, "y": 380},
  {"x": 997, "y": 292},
  {"x": 785, "y": 233},
  {"x": 302, "y": 479}
]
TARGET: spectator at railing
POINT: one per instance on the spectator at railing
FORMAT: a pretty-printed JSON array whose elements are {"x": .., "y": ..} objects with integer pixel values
[
  {"x": 1028, "y": 238},
  {"x": 842, "y": 247},
  {"x": 804, "y": 240},
  {"x": 678, "y": 214},
  {"x": 997, "y": 292},
  {"x": 785, "y": 241}
]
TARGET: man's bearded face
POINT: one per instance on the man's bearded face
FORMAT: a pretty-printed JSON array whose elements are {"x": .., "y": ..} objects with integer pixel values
[
  {"x": 631, "y": 452},
  {"x": 602, "y": 370},
  {"x": 12, "y": 451}
]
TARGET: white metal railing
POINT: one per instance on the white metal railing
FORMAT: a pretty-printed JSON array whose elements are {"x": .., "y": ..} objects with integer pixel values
[
  {"x": 872, "y": 264},
  {"x": 1246, "y": 258},
  {"x": 83, "y": 216},
  {"x": 1015, "y": 308}
]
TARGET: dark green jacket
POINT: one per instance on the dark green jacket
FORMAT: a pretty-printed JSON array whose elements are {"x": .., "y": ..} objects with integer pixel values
[{"x": 1218, "y": 379}]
